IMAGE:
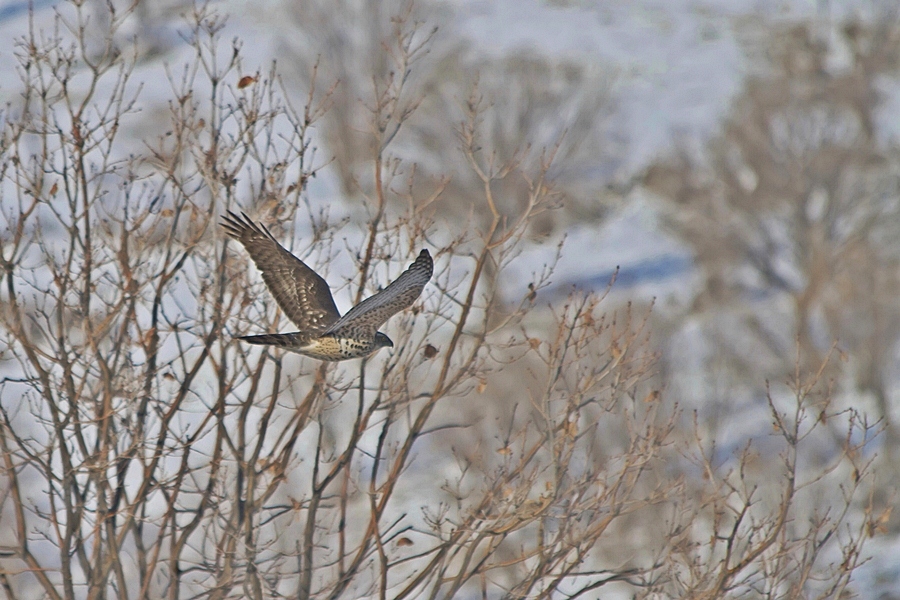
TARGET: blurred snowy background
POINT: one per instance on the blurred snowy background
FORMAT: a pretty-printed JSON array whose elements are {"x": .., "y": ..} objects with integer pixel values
[{"x": 737, "y": 161}]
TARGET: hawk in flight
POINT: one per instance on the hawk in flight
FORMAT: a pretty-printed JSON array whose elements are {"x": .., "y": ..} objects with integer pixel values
[{"x": 306, "y": 300}]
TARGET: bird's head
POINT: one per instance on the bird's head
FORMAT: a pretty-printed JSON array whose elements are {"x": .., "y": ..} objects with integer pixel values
[{"x": 382, "y": 340}]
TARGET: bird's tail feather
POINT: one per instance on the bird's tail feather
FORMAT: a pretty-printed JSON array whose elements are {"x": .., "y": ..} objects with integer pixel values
[{"x": 283, "y": 340}]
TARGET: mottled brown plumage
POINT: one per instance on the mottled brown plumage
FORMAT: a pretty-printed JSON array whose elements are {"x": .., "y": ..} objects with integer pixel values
[{"x": 306, "y": 299}]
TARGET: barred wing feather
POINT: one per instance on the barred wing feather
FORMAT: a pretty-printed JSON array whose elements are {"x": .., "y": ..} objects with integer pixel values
[
  {"x": 300, "y": 292},
  {"x": 372, "y": 312}
]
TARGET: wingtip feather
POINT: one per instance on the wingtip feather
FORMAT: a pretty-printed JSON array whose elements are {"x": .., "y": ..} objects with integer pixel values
[{"x": 425, "y": 259}]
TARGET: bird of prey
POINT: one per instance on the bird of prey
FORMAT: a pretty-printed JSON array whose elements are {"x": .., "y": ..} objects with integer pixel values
[{"x": 306, "y": 300}]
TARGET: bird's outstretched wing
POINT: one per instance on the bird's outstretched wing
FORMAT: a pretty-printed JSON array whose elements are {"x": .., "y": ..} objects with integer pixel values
[
  {"x": 372, "y": 312},
  {"x": 300, "y": 292},
  {"x": 282, "y": 340}
]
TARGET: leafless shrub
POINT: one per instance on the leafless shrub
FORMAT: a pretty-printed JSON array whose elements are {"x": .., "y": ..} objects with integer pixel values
[
  {"x": 535, "y": 102},
  {"x": 146, "y": 454},
  {"x": 794, "y": 218}
]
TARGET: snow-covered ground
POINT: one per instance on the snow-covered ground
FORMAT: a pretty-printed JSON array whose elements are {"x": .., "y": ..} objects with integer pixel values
[{"x": 677, "y": 65}]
